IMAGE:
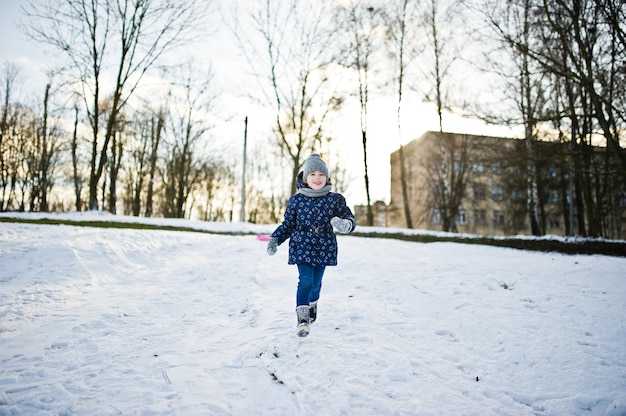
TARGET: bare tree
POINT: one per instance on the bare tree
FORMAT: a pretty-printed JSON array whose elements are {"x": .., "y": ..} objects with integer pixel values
[
  {"x": 128, "y": 35},
  {"x": 10, "y": 74},
  {"x": 529, "y": 99},
  {"x": 45, "y": 161},
  {"x": 114, "y": 166},
  {"x": 575, "y": 45},
  {"x": 29, "y": 146},
  {"x": 360, "y": 22},
  {"x": 77, "y": 177},
  {"x": 513, "y": 27},
  {"x": 220, "y": 188},
  {"x": 590, "y": 65},
  {"x": 155, "y": 139},
  {"x": 185, "y": 163},
  {"x": 450, "y": 175},
  {"x": 400, "y": 17},
  {"x": 291, "y": 65},
  {"x": 147, "y": 129},
  {"x": 46, "y": 150}
]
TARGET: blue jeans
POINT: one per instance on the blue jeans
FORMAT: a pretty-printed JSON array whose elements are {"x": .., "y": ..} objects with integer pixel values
[{"x": 309, "y": 283}]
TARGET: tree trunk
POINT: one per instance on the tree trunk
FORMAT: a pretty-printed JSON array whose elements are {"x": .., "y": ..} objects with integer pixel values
[
  {"x": 370, "y": 216},
  {"x": 76, "y": 176},
  {"x": 43, "y": 165},
  {"x": 405, "y": 191}
]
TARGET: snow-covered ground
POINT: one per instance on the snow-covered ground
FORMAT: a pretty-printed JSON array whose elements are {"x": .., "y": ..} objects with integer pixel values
[{"x": 118, "y": 321}]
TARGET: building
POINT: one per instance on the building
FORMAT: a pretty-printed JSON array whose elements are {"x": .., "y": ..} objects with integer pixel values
[
  {"x": 380, "y": 213},
  {"x": 478, "y": 185}
]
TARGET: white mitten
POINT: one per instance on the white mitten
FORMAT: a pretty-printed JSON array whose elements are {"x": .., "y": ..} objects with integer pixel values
[
  {"x": 342, "y": 226},
  {"x": 272, "y": 246}
]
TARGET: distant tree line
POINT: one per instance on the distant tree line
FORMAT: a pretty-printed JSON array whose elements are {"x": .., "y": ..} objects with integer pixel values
[
  {"x": 562, "y": 72},
  {"x": 554, "y": 68}
]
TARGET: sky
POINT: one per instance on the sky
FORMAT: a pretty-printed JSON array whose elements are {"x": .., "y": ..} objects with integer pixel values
[
  {"x": 15, "y": 47},
  {"x": 142, "y": 322},
  {"x": 221, "y": 50}
]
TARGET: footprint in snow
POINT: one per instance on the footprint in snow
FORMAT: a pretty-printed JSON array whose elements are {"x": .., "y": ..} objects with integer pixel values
[{"x": 447, "y": 335}]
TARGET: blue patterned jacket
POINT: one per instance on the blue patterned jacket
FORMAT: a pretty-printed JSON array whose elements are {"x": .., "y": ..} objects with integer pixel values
[{"x": 307, "y": 225}]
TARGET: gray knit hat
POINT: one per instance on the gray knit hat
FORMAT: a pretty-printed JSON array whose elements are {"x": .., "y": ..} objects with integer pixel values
[{"x": 312, "y": 164}]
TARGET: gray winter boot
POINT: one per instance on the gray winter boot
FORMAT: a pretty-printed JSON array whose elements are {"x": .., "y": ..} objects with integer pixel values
[
  {"x": 303, "y": 312},
  {"x": 313, "y": 312}
]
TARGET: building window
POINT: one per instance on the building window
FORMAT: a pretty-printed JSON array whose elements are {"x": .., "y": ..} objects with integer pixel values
[
  {"x": 552, "y": 171},
  {"x": 480, "y": 217},
  {"x": 478, "y": 167},
  {"x": 496, "y": 167},
  {"x": 553, "y": 197},
  {"x": 517, "y": 195},
  {"x": 461, "y": 217},
  {"x": 457, "y": 166},
  {"x": 436, "y": 216},
  {"x": 498, "y": 218},
  {"x": 497, "y": 194},
  {"x": 480, "y": 191},
  {"x": 516, "y": 171}
]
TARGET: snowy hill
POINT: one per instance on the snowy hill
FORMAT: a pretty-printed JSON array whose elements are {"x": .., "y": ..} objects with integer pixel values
[
  {"x": 124, "y": 321},
  {"x": 547, "y": 243}
]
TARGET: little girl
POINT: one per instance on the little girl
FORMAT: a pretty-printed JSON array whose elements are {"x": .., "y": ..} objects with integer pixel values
[{"x": 310, "y": 217}]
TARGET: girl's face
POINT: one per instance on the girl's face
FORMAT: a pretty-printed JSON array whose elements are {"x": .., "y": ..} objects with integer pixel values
[{"x": 316, "y": 180}]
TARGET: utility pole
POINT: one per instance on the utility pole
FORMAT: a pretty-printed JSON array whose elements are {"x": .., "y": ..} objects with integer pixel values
[{"x": 242, "y": 212}]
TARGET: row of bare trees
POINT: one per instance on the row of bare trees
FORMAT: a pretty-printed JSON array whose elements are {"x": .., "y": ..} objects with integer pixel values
[
  {"x": 559, "y": 72},
  {"x": 157, "y": 156},
  {"x": 555, "y": 68},
  {"x": 154, "y": 146},
  {"x": 29, "y": 149},
  {"x": 313, "y": 59},
  {"x": 567, "y": 77}
]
